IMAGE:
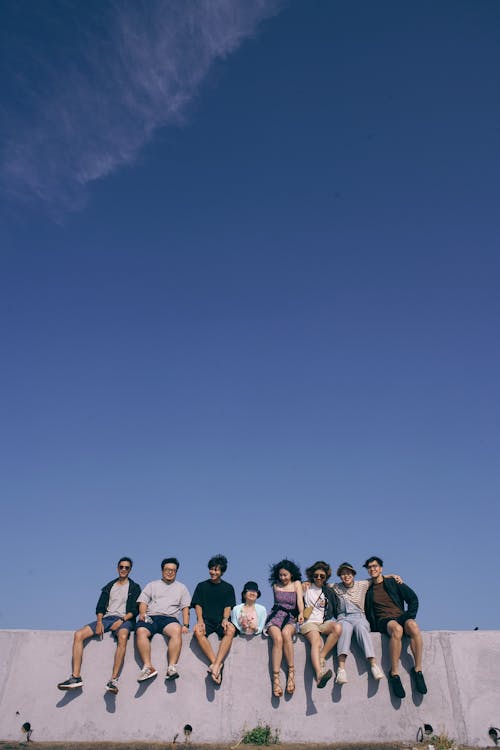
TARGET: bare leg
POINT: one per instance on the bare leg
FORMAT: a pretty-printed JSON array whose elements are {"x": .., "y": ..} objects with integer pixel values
[
  {"x": 395, "y": 633},
  {"x": 174, "y": 633},
  {"x": 143, "y": 643},
  {"x": 79, "y": 638},
  {"x": 413, "y": 632},
  {"x": 287, "y": 633},
  {"x": 223, "y": 650},
  {"x": 121, "y": 647},
  {"x": 316, "y": 642},
  {"x": 332, "y": 636},
  {"x": 204, "y": 644},
  {"x": 277, "y": 652}
]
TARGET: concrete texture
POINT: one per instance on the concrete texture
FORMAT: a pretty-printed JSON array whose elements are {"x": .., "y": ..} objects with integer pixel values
[{"x": 461, "y": 670}]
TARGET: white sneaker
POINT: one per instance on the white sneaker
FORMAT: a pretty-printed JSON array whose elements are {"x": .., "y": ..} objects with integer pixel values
[
  {"x": 172, "y": 673},
  {"x": 377, "y": 673},
  {"x": 146, "y": 673},
  {"x": 341, "y": 677}
]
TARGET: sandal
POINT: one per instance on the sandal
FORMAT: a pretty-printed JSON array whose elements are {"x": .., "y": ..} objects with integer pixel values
[
  {"x": 290, "y": 683},
  {"x": 277, "y": 689}
]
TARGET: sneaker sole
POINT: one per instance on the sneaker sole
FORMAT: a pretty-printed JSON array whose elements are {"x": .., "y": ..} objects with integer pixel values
[
  {"x": 148, "y": 677},
  {"x": 172, "y": 676},
  {"x": 112, "y": 690},
  {"x": 70, "y": 687}
]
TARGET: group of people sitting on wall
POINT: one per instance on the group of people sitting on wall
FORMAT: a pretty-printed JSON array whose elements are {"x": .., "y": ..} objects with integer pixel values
[{"x": 326, "y": 614}]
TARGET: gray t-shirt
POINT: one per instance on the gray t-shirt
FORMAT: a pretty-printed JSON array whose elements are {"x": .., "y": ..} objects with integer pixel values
[
  {"x": 165, "y": 598},
  {"x": 117, "y": 605}
]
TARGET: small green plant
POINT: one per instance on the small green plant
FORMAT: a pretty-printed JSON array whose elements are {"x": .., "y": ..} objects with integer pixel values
[
  {"x": 441, "y": 742},
  {"x": 262, "y": 734}
]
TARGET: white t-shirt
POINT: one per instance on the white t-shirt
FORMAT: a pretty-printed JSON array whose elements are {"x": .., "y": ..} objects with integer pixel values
[
  {"x": 165, "y": 598},
  {"x": 314, "y": 597},
  {"x": 117, "y": 605}
]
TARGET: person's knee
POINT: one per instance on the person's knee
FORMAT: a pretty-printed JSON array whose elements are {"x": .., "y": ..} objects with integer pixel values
[
  {"x": 198, "y": 632},
  {"x": 123, "y": 635},
  {"x": 396, "y": 632},
  {"x": 337, "y": 629},
  {"x": 79, "y": 635},
  {"x": 411, "y": 628}
]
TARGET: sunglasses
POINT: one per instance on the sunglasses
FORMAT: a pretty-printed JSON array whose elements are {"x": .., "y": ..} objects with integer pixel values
[
  {"x": 319, "y": 575},
  {"x": 124, "y": 567}
]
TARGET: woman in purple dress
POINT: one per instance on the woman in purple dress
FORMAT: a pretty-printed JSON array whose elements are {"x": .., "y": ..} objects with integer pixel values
[{"x": 288, "y": 610}]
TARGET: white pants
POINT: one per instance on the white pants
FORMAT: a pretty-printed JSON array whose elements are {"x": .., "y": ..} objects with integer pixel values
[{"x": 361, "y": 627}]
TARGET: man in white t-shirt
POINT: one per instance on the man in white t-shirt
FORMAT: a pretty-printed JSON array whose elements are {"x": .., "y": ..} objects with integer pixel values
[
  {"x": 161, "y": 603},
  {"x": 116, "y": 611}
]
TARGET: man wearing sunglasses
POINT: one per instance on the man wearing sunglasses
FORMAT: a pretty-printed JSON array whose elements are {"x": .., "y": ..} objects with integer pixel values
[{"x": 116, "y": 611}]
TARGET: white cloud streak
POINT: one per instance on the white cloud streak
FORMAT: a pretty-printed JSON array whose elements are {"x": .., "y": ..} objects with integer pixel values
[{"x": 127, "y": 78}]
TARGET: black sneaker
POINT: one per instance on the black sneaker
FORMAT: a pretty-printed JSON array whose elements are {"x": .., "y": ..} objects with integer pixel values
[
  {"x": 71, "y": 684},
  {"x": 324, "y": 678},
  {"x": 419, "y": 681},
  {"x": 397, "y": 686},
  {"x": 112, "y": 686}
]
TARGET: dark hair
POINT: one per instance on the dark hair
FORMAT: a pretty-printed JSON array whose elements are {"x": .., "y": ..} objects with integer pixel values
[
  {"x": 125, "y": 559},
  {"x": 274, "y": 571},
  {"x": 218, "y": 561},
  {"x": 167, "y": 560},
  {"x": 373, "y": 559},
  {"x": 319, "y": 565}
]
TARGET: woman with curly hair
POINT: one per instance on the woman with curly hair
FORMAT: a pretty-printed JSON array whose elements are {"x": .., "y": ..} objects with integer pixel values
[
  {"x": 321, "y": 607},
  {"x": 288, "y": 610}
]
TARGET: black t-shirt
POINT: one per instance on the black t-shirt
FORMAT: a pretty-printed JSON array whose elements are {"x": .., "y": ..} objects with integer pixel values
[{"x": 213, "y": 598}]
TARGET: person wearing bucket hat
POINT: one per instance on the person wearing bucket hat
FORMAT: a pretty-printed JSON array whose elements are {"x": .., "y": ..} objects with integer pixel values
[
  {"x": 350, "y": 596},
  {"x": 249, "y": 617}
]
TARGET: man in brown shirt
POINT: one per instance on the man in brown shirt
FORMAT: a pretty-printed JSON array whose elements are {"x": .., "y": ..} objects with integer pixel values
[{"x": 385, "y": 610}]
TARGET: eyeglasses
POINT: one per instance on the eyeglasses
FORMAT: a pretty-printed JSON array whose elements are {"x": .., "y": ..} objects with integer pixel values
[
  {"x": 170, "y": 570},
  {"x": 375, "y": 565},
  {"x": 124, "y": 567},
  {"x": 322, "y": 576}
]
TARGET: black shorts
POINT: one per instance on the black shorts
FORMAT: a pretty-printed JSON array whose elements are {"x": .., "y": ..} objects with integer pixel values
[
  {"x": 216, "y": 627},
  {"x": 159, "y": 623},
  {"x": 382, "y": 624}
]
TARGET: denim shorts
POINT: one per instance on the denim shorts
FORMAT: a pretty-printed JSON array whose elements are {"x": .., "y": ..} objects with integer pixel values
[
  {"x": 109, "y": 621},
  {"x": 158, "y": 625}
]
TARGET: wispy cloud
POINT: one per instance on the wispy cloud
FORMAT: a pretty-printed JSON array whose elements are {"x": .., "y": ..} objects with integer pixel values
[{"x": 79, "y": 114}]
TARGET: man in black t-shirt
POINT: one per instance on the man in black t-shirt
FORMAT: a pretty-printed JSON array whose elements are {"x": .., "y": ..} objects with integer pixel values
[{"x": 213, "y": 600}]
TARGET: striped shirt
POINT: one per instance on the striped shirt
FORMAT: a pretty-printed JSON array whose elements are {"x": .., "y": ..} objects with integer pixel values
[{"x": 355, "y": 593}]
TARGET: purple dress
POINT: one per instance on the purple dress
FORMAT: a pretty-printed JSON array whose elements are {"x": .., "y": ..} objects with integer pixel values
[{"x": 284, "y": 610}]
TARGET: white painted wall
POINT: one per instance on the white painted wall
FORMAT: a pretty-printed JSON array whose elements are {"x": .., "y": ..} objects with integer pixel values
[{"x": 462, "y": 670}]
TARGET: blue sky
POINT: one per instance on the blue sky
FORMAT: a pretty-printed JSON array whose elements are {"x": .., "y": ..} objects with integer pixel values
[{"x": 249, "y": 292}]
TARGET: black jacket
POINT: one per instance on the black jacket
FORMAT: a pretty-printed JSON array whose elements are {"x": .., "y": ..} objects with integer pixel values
[
  {"x": 133, "y": 592},
  {"x": 331, "y": 603},
  {"x": 400, "y": 594}
]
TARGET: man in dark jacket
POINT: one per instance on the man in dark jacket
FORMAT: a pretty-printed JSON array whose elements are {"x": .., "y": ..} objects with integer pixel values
[
  {"x": 116, "y": 611},
  {"x": 385, "y": 610}
]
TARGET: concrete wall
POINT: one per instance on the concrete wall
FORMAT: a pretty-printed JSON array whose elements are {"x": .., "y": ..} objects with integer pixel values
[{"x": 462, "y": 670}]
